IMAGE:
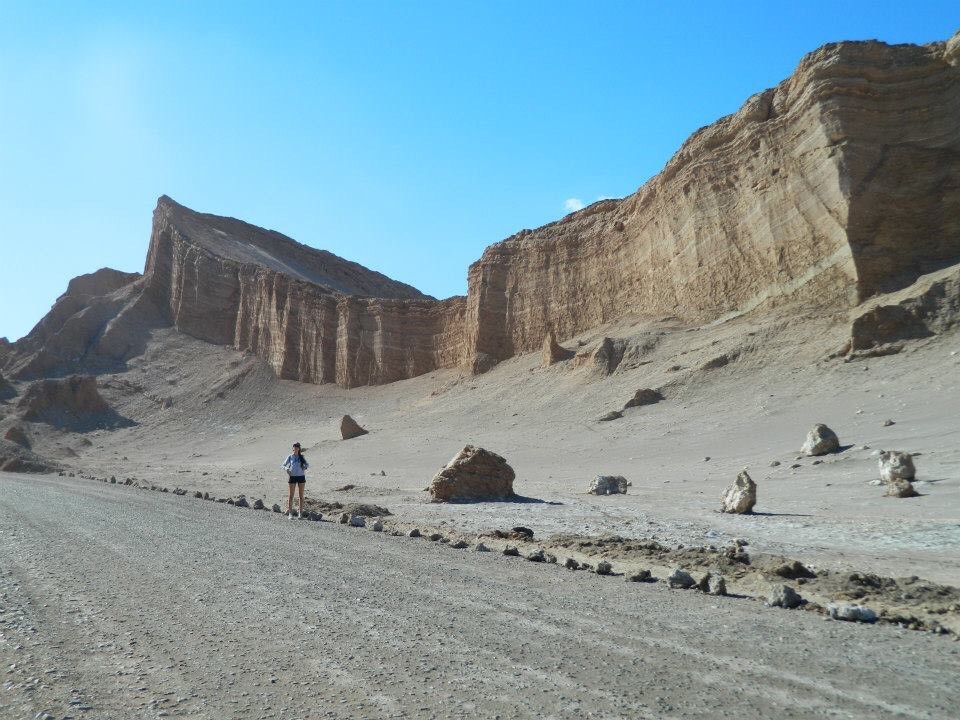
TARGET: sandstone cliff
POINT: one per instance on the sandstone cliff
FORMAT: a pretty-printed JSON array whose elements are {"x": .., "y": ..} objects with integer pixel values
[
  {"x": 840, "y": 183},
  {"x": 313, "y": 316}
]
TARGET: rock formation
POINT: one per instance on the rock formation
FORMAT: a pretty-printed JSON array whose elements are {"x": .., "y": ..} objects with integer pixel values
[
  {"x": 349, "y": 428},
  {"x": 815, "y": 191},
  {"x": 896, "y": 465},
  {"x": 840, "y": 183},
  {"x": 644, "y": 396},
  {"x": 820, "y": 441},
  {"x": 72, "y": 403},
  {"x": 474, "y": 474},
  {"x": 551, "y": 352},
  {"x": 741, "y": 496},
  {"x": 608, "y": 485}
]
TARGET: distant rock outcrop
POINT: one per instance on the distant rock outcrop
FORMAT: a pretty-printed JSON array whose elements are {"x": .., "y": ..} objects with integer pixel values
[
  {"x": 644, "y": 396},
  {"x": 71, "y": 403},
  {"x": 474, "y": 474}
]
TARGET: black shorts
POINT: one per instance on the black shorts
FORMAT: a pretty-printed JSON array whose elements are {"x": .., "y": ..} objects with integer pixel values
[{"x": 297, "y": 479}]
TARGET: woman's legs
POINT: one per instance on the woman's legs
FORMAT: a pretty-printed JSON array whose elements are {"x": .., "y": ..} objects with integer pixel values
[
  {"x": 290, "y": 499},
  {"x": 300, "y": 487}
]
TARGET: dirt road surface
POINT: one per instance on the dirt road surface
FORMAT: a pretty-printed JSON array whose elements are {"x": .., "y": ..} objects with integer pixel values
[{"x": 122, "y": 603}]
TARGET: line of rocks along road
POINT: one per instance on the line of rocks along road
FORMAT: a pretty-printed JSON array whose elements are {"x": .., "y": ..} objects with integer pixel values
[{"x": 123, "y": 604}]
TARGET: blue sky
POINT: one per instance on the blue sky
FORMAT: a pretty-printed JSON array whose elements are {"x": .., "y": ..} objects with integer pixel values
[{"x": 406, "y": 136}]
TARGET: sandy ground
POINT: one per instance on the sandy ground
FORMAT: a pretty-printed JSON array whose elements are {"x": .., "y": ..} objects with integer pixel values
[
  {"x": 121, "y": 603},
  {"x": 231, "y": 423}
]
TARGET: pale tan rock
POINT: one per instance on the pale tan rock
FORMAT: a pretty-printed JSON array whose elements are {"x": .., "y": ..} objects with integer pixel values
[
  {"x": 474, "y": 474},
  {"x": 899, "y": 488},
  {"x": 551, "y": 352},
  {"x": 349, "y": 428},
  {"x": 896, "y": 465},
  {"x": 820, "y": 440},
  {"x": 741, "y": 496}
]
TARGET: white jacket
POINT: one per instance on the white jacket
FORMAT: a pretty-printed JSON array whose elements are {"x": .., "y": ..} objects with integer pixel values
[{"x": 295, "y": 465}]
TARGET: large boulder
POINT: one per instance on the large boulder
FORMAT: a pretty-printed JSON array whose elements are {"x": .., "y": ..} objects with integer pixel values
[
  {"x": 644, "y": 396},
  {"x": 349, "y": 428},
  {"x": 820, "y": 441},
  {"x": 896, "y": 465},
  {"x": 741, "y": 496},
  {"x": 474, "y": 474},
  {"x": 552, "y": 352},
  {"x": 608, "y": 485}
]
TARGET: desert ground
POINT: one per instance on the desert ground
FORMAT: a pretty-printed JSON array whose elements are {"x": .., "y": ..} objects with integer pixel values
[{"x": 132, "y": 603}]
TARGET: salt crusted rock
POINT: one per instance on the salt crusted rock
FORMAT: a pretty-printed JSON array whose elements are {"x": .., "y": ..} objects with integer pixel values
[
  {"x": 608, "y": 485},
  {"x": 349, "y": 428},
  {"x": 474, "y": 474},
  {"x": 741, "y": 496},
  {"x": 820, "y": 441},
  {"x": 896, "y": 465}
]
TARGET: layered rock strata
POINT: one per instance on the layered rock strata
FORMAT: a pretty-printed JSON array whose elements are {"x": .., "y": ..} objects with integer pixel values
[{"x": 840, "y": 183}]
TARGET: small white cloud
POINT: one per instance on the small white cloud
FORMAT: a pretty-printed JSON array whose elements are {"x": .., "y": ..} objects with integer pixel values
[{"x": 573, "y": 204}]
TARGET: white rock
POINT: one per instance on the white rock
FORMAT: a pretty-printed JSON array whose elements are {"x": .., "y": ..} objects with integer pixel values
[
  {"x": 820, "y": 441},
  {"x": 608, "y": 485},
  {"x": 852, "y": 613},
  {"x": 740, "y": 497},
  {"x": 783, "y": 596},
  {"x": 896, "y": 465}
]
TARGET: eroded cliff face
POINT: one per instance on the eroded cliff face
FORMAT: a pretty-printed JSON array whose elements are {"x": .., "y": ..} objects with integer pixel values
[
  {"x": 313, "y": 316},
  {"x": 841, "y": 182}
]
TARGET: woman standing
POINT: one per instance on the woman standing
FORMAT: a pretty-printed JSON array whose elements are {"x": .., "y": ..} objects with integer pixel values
[{"x": 295, "y": 465}]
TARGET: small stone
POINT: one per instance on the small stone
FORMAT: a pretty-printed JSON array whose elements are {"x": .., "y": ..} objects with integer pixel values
[
  {"x": 550, "y": 558},
  {"x": 888, "y": 423},
  {"x": 258, "y": 504},
  {"x": 612, "y": 415},
  {"x": 198, "y": 495},
  {"x": 344, "y": 518},
  {"x": 783, "y": 596},
  {"x": 717, "y": 585},
  {"x": 434, "y": 537},
  {"x": 480, "y": 547},
  {"x": 414, "y": 533},
  {"x": 795, "y": 466},
  {"x": 536, "y": 555},
  {"x": 900, "y": 489},
  {"x": 359, "y": 521},
  {"x": 511, "y": 551},
  {"x": 349, "y": 428},
  {"x": 377, "y": 525},
  {"x": 680, "y": 578},
  {"x": 608, "y": 485},
  {"x": 571, "y": 564},
  {"x": 775, "y": 463},
  {"x": 851, "y": 613},
  {"x": 460, "y": 544},
  {"x": 276, "y": 508},
  {"x": 240, "y": 502},
  {"x": 113, "y": 479},
  {"x": 604, "y": 568},
  {"x": 638, "y": 576}
]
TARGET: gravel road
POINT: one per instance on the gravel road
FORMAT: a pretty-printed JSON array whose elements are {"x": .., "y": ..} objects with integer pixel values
[{"x": 122, "y": 603}]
